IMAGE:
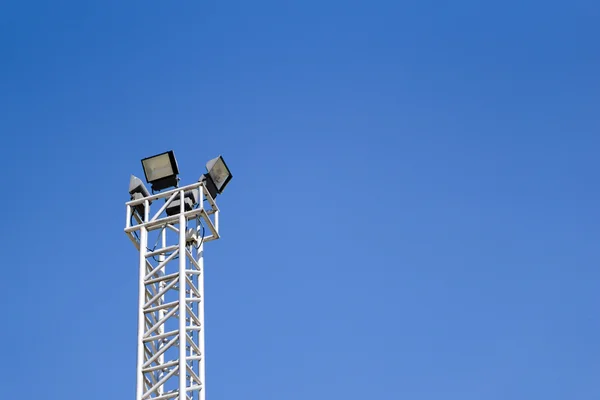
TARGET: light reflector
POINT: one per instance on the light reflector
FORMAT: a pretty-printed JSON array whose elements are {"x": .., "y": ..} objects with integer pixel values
[
  {"x": 219, "y": 173},
  {"x": 161, "y": 170}
]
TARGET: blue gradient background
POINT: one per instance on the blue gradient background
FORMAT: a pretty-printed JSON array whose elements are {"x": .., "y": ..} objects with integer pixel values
[{"x": 414, "y": 212}]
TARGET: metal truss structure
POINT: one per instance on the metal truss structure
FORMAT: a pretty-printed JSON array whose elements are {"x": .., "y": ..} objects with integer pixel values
[{"x": 170, "y": 353}]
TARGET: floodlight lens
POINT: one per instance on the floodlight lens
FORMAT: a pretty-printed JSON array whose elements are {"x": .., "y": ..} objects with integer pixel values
[
  {"x": 161, "y": 170},
  {"x": 219, "y": 173},
  {"x": 158, "y": 167}
]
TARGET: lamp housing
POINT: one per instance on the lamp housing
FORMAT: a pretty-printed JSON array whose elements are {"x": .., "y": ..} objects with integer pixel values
[
  {"x": 138, "y": 190},
  {"x": 219, "y": 173},
  {"x": 210, "y": 185},
  {"x": 190, "y": 199},
  {"x": 161, "y": 170}
]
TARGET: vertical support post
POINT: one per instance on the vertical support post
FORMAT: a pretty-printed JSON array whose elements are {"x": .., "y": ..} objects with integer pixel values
[
  {"x": 202, "y": 363},
  {"x": 217, "y": 220},
  {"x": 161, "y": 286},
  {"x": 128, "y": 217},
  {"x": 142, "y": 300},
  {"x": 182, "y": 303},
  {"x": 200, "y": 260}
]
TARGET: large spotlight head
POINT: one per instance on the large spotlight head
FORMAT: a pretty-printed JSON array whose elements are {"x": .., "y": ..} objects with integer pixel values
[
  {"x": 161, "y": 170},
  {"x": 138, "y": 190},
  {"x": 219, "y": 173}
]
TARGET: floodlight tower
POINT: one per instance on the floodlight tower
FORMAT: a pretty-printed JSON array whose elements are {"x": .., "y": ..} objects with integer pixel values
[{"x": 170, "y": 345}]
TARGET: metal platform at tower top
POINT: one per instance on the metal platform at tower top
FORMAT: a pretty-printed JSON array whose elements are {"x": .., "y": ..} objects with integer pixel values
[{"x": 170, "y": 344}]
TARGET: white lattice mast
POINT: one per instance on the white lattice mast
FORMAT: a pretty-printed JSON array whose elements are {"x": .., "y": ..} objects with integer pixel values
[
  {"x": 170, "y": 240},
  {"x": 167, "y": 315}
]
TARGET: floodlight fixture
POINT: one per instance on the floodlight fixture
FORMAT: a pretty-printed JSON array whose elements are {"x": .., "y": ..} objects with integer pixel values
[
  {"x": 190, "y": 199},
  {"x": 161, "y": 170},
  {"x": 138, "y": 190},
  {"x": 218, "y": 176},
  {"x": 219, "y": 172}
]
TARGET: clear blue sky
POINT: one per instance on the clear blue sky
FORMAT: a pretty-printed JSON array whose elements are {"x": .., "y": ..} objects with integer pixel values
[{"x": 415, "y": 211}]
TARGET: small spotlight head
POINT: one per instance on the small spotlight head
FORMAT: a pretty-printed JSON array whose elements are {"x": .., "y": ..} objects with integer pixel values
[
  {"x": 138, "y": 190},
  {"x": 161, "y": 170}
]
